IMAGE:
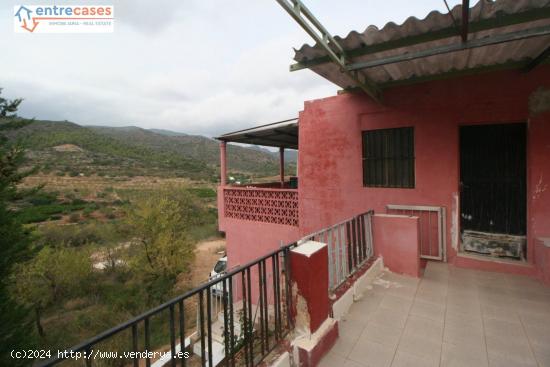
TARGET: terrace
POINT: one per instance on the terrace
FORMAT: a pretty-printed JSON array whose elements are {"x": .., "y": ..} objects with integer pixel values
[
  {"x": 331, "y": 287},
  {"x": 268, "y": 202},
  {"x": 449, "y": 317},
  {"x": 245, "y": 316}
]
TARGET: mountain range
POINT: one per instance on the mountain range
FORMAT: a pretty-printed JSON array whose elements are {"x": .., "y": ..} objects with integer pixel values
[{"x": 66, "y": 147}]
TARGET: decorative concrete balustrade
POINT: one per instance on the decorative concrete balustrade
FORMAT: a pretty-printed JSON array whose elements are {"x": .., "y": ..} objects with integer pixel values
[{"x": 278, "y": 206}]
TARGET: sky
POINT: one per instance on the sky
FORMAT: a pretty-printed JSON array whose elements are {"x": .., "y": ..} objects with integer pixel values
[{"x": 195, "y": 66}]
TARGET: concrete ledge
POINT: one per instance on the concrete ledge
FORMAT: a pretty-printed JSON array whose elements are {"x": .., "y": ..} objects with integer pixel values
[
  {"x": 363, "y": 283},
  {"x": 485, "y": 263},
  {"x": 545, "y": 241},
  {"x": 309, "y": 248},
  {"x": 282, "y": 361},
  {"x": 542, "y": 259},
  {"x": 344, "y": 302},
  {"x": 309, "y": 349}
]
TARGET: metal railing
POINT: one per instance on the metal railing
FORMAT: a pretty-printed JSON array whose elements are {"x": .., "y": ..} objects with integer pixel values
[
  {"x": 255, "y": 313},
  {"x": 432, "y": 228},
  {"x": 349, "y": 246}
]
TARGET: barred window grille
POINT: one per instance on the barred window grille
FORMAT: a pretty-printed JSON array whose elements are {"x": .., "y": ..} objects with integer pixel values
[{"x": 388, "y": 158}]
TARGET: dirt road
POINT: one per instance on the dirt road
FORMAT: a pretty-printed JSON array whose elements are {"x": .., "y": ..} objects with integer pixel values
[{"x": 206, "y": 256}]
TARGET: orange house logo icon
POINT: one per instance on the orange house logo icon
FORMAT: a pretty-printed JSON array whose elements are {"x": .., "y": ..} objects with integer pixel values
[{"x": 63, "y": 19}]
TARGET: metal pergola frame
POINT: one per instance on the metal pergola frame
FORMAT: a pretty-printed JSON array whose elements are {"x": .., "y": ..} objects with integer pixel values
[
  {"x": 343, "y": 58},
  {"x": 301, "y": 14},
  {"x": 281, "y": 134}
]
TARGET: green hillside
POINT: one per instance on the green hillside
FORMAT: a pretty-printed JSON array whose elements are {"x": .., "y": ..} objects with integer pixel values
[
  {"x": 68, "y": 148},
  {"x": 249, "y": 160}
]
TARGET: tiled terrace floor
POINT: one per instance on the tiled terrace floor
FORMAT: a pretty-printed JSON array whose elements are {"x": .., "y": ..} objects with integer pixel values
[{"x": 450, "y": 317}]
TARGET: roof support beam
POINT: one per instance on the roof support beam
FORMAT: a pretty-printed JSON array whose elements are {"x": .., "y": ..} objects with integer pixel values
[
  {"x": 487, "y": 41},
  {"x": 542, "y": 57},
  {"x": 473, "y": 27},
  {"x": 268, "y": 139},
  {"x": 465, "y": 20},
  {"x": 301, "y": 14},
  {"x": 282, "y": 132}
]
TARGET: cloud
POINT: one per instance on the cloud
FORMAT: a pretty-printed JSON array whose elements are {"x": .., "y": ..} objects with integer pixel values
[
  {"x": 196, "y": 66},
  {"x": 152, "y": 16}
]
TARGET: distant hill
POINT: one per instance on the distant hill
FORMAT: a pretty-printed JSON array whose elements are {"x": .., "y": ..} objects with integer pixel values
[
  {"x": 291, "y": 156},
  {"x": 196, "y": 147},
  {"x": 134, "y": 151},
  {"x": 167, "y": 132}
]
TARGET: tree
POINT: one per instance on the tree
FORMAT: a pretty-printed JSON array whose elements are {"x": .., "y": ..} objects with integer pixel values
[
  {"x": 14, "y": 239},
  {"x": 161, "y": 224},
  {"x": 53, "y": 274},
  {"x": 9, "y": 108}
]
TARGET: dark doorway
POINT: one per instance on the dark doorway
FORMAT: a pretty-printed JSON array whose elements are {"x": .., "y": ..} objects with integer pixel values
[{"x": 493, "y": 182}]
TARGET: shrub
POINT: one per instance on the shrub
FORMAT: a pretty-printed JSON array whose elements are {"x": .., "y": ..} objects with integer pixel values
[
  {"x": 75, "y": 235},
  {"x": 203, "y": 192},
  {"x": 108, "y": 212},
  {"x": 88, "y": 210},
  {"x": 74, "y": 218},
  {"x": 43, "y": 198}
]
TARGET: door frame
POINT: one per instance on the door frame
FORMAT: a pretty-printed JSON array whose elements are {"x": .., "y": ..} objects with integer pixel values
[{"x": 458, "y": 235}]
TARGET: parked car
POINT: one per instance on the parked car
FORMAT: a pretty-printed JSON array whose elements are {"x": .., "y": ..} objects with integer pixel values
[{"x": 219, "y": 270}]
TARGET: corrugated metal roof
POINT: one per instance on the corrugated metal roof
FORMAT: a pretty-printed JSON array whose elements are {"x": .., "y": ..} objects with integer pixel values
[
  {"x": 504, "y": 53},
  {"x": 278, "y": 134}
]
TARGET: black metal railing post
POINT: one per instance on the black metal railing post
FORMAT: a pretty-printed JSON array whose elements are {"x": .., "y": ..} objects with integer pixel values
[
  {"x": 135, "y": 344},
  {"x": 172, "y": 337},
  {"x": 147, "y": 336},
  {"x": 183, "y": 360},
  {"x": 201, "y": 322},
  {"x": 226, "y": 337},
  {"x": 257, "y": 337}
]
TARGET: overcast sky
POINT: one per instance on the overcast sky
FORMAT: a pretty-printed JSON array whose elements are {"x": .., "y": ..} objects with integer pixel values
[{"x": 195, "y": 66}]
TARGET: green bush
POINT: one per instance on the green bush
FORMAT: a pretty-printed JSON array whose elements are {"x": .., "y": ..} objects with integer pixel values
[
  {"x": 35, "y": 214},
  {"x": 203, "y": 192},
  {"x": 43, "y": 198},
  {"x": 107, "y": 212},
  {"x": 89, "y": 209},
  {"x": 76, "y": 235},
  {"x": 74, "y": 218}
]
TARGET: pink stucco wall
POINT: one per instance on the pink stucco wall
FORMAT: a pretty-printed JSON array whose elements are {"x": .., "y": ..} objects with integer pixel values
[
  {"x": 397, "y": 241},
  {"x": 330, "y": 167},
  {"x": 247, "y": 240},
  {"x": 331, "y": 189}
]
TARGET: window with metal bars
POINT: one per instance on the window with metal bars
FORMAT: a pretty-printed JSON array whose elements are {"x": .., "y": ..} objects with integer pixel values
[{"x": 388, "y": 158}]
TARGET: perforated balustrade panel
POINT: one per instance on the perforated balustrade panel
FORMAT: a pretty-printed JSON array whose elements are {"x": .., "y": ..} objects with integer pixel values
[{"x": 262, "y": 205}]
